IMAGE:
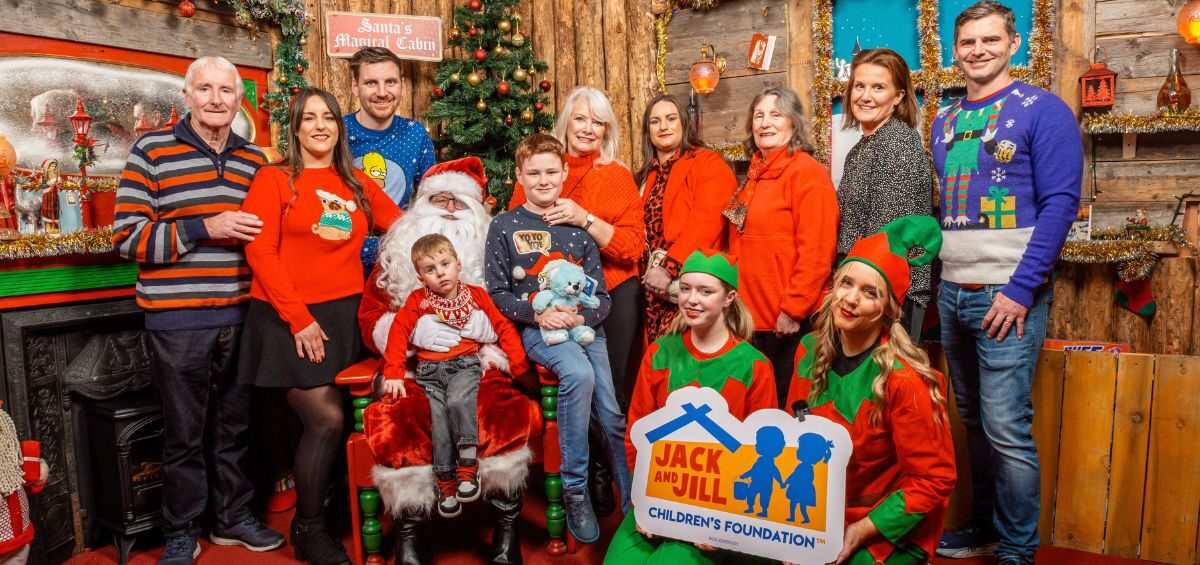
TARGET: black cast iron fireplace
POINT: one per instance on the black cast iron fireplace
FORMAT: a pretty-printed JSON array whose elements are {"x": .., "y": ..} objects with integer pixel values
[{"x": 75, "y": 378}]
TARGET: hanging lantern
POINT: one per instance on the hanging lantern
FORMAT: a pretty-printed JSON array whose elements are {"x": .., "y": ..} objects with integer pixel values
[
  {"x": 81, "y": 122},
  {"x": 706, "y": 72},
  {"x": 48, "y": 125},
  {"x": 1189, "y": 22},
  {"x": 1098, "y": 86}
]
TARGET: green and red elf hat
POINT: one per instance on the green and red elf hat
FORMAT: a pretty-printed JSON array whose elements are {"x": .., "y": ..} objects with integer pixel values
[
  {"x": 721, "y": 265},
  {"x": 887, "y": 251}
]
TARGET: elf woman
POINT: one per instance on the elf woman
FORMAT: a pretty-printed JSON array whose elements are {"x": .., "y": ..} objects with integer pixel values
[
  {"x": 706, "y": 345},
  {"x": 861, "y": 370}
]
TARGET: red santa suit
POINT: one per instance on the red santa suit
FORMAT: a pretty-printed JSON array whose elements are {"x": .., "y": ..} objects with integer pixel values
[
  {"x": 399, "y": 431},
  {"x": 24, "y": 469}
]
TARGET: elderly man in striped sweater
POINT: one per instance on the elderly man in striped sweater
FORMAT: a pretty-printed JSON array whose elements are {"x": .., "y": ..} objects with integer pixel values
[{"x": 177, "y": 215}]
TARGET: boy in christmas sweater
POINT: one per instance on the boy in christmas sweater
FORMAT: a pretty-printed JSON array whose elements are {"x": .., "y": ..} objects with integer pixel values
[
  {"x": 519, "y": 243},
  {"x": 450, "y": 378}
]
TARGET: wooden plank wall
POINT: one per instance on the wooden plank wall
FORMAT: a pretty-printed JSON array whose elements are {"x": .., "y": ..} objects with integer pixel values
[
  {"x": 607, "y": 44},
  {"x": 1117, "y": 437},
  {"x": 1137, "y": 35},
  {"x": 1085, "y": 308}
]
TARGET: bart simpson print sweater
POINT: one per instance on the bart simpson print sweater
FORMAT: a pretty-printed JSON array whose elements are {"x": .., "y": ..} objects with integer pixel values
[{"x": 1010, "y": 167}]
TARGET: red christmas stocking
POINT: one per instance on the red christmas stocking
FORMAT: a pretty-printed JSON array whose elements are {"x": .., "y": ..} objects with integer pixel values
[{"x": 1136, "y": 297}]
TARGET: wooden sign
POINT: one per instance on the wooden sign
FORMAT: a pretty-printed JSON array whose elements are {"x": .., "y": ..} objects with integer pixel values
[
  {"x": 703, "y": 476},
  {"x": 418, "y": 38}
]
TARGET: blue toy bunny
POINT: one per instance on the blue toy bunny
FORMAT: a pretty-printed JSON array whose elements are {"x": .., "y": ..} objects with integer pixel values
[
  {"x": 810, "y": 449},
  {"x": 564, "y": 283}
]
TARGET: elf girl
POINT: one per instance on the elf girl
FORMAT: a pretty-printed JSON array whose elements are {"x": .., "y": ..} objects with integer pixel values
[
  {"x": 861, "y": 370},
  {"x": 706, "y": 345}
]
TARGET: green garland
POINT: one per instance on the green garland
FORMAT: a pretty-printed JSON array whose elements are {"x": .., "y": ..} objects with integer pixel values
[
  {"x": 293, "y": 21},
  {"x": 85, "y": 155}
]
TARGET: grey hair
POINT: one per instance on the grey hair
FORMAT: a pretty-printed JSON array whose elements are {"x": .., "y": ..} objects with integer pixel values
[
  {"x": 212, "y": 61},
  {"x": 602, "y": 110},
  {"x": 788, "y": 104}
]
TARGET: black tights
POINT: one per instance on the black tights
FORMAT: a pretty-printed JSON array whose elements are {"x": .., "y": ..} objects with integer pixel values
[{"x": 320, "y": 410}]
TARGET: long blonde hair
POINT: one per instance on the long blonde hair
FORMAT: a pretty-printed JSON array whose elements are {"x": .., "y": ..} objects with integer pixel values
[
  {"x": 737, "y": 318},
  {"x": 898, "y": 346}
]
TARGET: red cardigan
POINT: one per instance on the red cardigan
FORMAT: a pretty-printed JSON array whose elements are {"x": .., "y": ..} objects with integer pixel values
[
  {"x": 790, "y": 238},
  {"x": 698, "y": 188},
  {"x": 406, "y": 319},
  {"x": 309, "y": 251},
  {"x": 608, "y": 192}
]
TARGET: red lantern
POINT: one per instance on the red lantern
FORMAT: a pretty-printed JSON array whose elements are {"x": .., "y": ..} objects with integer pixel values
[
  {"x": 48, "y": 125},
  {"x": 174, "y": 119},
  {"x": 1189, "y": 21},
  {"x": 1098, "y": 86},
  {"x": 81, "y": 122},
  {"x": 706, "y": 73}
]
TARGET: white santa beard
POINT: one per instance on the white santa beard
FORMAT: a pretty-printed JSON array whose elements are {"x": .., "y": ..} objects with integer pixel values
[{"x": 467, "y": 233}]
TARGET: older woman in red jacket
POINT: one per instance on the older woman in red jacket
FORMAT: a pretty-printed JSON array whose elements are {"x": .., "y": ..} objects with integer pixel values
[
  {"x": 684, "y": 188},
  {"x": 783, "y": 226}
]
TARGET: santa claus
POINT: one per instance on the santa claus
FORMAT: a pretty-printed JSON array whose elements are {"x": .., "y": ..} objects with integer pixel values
[{"x": 450, "y": 201}]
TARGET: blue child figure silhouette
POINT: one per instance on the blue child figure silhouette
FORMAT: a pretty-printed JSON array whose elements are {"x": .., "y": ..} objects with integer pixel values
[
  {"x": 763, "y": 474},
  {"x": 801, "y": 492}
]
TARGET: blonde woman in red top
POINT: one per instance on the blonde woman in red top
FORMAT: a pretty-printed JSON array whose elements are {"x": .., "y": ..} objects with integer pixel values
[
  {"x": 684, "y": 187},
  {"x": 600, "y": 196},
  {"x": 783, "y": 224},
  {"x": 301, "y": 327}
]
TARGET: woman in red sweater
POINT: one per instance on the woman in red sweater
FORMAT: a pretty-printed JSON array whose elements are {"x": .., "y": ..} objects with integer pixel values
[
  {"x": 600, "y": 196},
  {"x": 684, "y": 188},
  {"x": 301, "y": 326},
  {"x": 783, "y": 225}
]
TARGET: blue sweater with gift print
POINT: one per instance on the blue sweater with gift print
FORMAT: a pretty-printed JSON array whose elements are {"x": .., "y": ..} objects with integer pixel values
[
  {"x": 396, "y": 157},
  {"x": 519, "y": 245},
  {"x": 1010, "y": 167}
]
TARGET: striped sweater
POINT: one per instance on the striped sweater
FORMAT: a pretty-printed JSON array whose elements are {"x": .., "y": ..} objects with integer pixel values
[{"x": 171, "y": 183}]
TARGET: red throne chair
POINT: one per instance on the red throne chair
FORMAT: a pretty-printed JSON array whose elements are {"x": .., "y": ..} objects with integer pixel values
[{"x": 367, "y": 518}]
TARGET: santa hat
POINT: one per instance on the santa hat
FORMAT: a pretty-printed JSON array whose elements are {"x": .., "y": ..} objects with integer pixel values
[
  {"x": 720, "y": 265},
  {"x": 887, "y": 251},
  {"x": 519, "y": 273},
  {"x": 463, "y": 177}
]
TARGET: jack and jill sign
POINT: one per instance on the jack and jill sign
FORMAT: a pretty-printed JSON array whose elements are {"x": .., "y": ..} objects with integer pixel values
[{"x": 771, "y": 485}]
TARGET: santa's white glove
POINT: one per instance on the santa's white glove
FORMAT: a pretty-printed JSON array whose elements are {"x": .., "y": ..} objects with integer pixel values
[
  {"x": 433, "y": 335},
  {"x": 479, "y": 328}
]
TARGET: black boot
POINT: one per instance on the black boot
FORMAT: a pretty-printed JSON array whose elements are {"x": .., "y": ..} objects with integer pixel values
[
  {"x": 412, "y": 548},
  {"x": 600, "y": 483},
  {"x": 312, "y": 543},
  {"x": 506, "y": 540}
]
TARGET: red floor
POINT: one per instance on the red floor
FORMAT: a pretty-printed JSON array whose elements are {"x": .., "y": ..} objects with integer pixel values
[{"x": 467, "y": 539}]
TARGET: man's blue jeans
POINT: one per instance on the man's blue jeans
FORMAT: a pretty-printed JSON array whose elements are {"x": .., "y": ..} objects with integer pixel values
[
  {"x": 992, "y": 381},
  {"x": 585, "y": 396}
]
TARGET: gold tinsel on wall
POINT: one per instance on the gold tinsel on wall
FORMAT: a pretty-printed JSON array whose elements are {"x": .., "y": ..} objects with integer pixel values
[
  {"x": 1133, "y": 250},
  {"x": 1130, "y": 123},
  {"x": 83, "y": 242}
]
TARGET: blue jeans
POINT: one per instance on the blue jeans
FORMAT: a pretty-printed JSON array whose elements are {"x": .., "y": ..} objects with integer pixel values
[
  {"x": 585, "y": 396},
  {"x": 992, "y": 382}
]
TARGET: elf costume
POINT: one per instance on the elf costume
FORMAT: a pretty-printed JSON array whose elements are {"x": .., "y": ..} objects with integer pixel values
[
  {"x": 902, "y": 470},
  {"x": 737, "y": 370}
]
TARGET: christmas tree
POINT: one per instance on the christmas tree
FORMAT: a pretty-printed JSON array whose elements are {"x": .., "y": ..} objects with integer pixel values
[{"x": 488, "y": 98}]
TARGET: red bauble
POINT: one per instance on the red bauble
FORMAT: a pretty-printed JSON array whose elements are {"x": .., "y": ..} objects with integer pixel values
[
  {"x": 472, "y": 32},
  {"x": 503, "y": 88},
  {"x": 508, "y": 121},
  {"x": 545, "y": 86},
  {"x": 438, "y": 92},
  {"x": 295, "y": 90},
  {"x": 187, "y": 9},
  {"x": 475, "y": 5},
  {"x": 538, "y": 106},
  {"x": 299, "y": 69},
  {"x": 480, "y": 55}
]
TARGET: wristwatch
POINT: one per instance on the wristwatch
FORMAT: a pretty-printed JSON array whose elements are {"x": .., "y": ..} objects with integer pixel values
[{"x": 590, "y": 218}]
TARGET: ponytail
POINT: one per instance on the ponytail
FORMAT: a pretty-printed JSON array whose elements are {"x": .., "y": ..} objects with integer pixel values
[{"x": 737, "y": 318}]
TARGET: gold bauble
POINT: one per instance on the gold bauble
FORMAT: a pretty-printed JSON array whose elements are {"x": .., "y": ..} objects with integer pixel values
[
  {"x": 527, "y": 115},
  {"x": 498, "y": 50},
  {"x": 481, "y": 105},
  {"x": 455, "y": 33},
  {"x": 507, "y": 182},
  {"x": 519, "y": 75},
  {"x": 474, "y": 79},
  {"x": 455, "y": 78},
  {"x": 518, "y": 40},
  {"x": 504, "y": 26}
]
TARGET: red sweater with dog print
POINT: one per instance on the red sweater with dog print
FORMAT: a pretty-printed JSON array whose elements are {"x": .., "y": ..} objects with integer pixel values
[{"x": 311, "y": 240}]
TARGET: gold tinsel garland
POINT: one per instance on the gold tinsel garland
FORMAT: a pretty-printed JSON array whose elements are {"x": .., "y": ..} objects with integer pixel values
[
  {"x": 84, "y": 242},
  {"x": 731, "y": 150},
  {"x": 823, "y": 79},
  {"x": 1132, "y": 249},
  {"x": 1131, "y": 123}
]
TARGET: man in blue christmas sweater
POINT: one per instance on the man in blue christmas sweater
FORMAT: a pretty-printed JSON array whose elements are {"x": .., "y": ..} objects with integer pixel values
[
  {"x": 1010, "y": 161},
  {"x": 393, "y": 150}
]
